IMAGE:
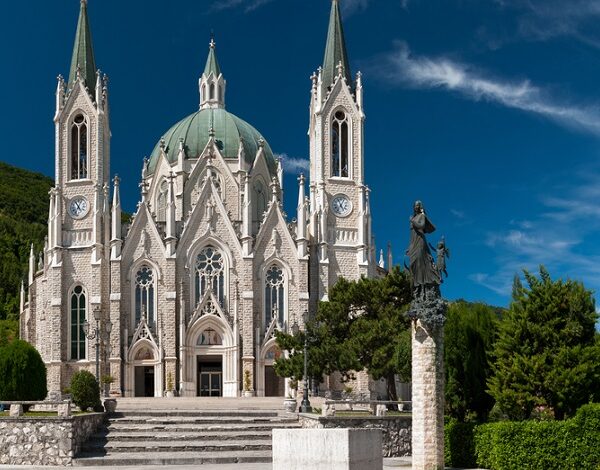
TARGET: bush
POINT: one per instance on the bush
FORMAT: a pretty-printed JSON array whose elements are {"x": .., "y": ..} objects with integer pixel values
[
  {"x": 85, "y": 391},
  {"x": 573, "y": 444},
  {"x": 459, "y": 447},
  {"x": 22, "y": 372}
]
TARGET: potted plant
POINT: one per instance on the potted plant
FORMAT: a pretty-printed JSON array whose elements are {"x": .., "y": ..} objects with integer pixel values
[
  {"x": 106, "y": 380},
  {"x": 170, "y": 389},
  {"x": 248, "y": 392}
]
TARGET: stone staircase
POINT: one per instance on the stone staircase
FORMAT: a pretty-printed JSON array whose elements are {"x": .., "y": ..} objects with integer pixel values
[{"x": 178, "y": 437}]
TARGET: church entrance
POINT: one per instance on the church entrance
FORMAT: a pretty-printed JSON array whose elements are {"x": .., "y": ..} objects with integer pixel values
[
  {"x": 274, "y": 385},
  {"x": 144, "y": 381},
  {"x": 210, "y": 377}
]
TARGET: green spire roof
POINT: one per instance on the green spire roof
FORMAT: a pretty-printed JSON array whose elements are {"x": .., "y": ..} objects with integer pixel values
[
  {"x": 335, "y": 51},
  {"x": 212, "y": 65},
  {"x": 83, "y": 52}
]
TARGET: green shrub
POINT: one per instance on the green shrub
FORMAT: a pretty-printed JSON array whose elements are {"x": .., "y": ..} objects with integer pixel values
[
  {"x": 459, "y": 447},
  {"x": 573, "y": 444},
  {"x": 85, "y": 391},
  {"x": 22, "y": 373}
]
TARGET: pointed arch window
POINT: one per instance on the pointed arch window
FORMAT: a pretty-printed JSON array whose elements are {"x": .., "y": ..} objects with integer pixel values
[
  {"x": 274, "y": 294},
  {"x": 212, "y": 91},
  {"x": 209, "y": 273},
  {"x": 339, "y": 145},
  {"x": 78, "y": 308},
  {"x": 145, "y": 286},
  {"x": 260, "y": 204},
  {"x": 79, "y": 148},
  {"x": 161, "y": 201}
]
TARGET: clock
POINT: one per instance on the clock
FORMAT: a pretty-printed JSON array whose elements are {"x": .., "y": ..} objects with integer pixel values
[
  {"x": 341, "y": 205},
  {"x": 78, "y": 207}
]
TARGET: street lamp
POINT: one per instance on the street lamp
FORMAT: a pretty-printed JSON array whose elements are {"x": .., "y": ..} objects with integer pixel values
[
  {"x": 305, "y": 404},
  {"x": 97, "y": 334}
]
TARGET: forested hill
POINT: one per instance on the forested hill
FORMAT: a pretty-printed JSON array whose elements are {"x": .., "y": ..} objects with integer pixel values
[{"x": 23, "y": 218}]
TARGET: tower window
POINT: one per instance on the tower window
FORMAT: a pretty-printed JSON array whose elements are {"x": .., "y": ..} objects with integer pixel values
[
  {"x": 274, "y": 295},
  {"x": 212, "y": 91},
  {"x": 339, "y": 145},
  {"x": 144, "y": 295},
  {"x": 210, "y": 273},
  {"x": 79, "y": 148},
  {"x": 77, "y": 320}
]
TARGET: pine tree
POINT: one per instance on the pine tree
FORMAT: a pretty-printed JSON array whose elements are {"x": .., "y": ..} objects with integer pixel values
[{"x": 546, "y": 355}]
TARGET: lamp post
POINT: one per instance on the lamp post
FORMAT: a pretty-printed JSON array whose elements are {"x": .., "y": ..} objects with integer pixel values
[
  {"x": 305, "y": 404},
  {"x": 97, "y": 334}
]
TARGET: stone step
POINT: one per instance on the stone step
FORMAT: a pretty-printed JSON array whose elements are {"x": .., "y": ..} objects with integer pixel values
[
  {"x": 199, "y": 413},
  {"x": 172, "y": 458},
  {"x": 186, "y": 428},
  {"x": 175, "y": 446},
  {"x": 197, "y": 420},
  {"x": 169, "y": 435}
]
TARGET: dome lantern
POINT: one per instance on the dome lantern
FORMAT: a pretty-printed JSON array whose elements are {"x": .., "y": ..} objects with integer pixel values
[{"x": 211, "y": 83}]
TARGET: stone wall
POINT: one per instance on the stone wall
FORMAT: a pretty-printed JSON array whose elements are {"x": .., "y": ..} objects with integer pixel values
[
  {"x": 45, "y": 440},
  {"x": 396, "y": 430}
]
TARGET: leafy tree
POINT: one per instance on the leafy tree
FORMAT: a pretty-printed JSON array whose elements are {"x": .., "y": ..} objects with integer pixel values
[
  {"x": 469, "y": 337},
  {"x": 23, "y": 373},
  {"x": 85, "y": 390},
  {"x": 358, "y": 328},
  {"x": 9, "y": 331},
  {"x": 546, "y": 355}
]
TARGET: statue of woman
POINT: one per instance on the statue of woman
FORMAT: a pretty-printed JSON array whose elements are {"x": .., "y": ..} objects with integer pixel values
[{"x": 422, "y": 267}]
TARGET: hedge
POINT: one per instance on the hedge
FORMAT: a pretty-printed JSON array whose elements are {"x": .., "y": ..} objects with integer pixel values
[
  {"x": 459, "y": 445},
  {"x": 85, "y": 390},
  {"x": 573, "y": 444}
]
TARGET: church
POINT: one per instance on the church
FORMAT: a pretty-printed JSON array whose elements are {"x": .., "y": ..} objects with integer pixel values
[{"x": 186, "y": 297}]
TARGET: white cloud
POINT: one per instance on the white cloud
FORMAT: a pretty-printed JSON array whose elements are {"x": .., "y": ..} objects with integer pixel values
[
  {"x": 403, "y": 68},
  {"x": 292, "y": 164},
  {"x": 246, "y": 5},
  {"x": 545, "y": 19},
  {"x": 558, "y": 238}
]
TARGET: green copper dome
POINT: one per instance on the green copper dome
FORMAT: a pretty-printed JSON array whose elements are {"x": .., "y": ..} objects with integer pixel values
[{"x": 229, "y": 131}]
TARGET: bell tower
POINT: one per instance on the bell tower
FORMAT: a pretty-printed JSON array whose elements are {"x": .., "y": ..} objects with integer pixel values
[
  {"x": 79, "y": 220},
  {"x": 340, "y": 221},
  {"x": 82, "y": 163}
]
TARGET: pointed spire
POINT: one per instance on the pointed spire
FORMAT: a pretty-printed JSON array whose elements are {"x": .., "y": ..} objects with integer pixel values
[
  {"x": 336, "y": 57},
  {"x": 212, "y": 84},
  {"x": 83, "y": 52},
  {"x": 212, "y": 64}
]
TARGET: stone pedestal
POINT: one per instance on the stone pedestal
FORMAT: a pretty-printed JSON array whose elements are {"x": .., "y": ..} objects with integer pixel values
[{"x": 427, "y": 396}]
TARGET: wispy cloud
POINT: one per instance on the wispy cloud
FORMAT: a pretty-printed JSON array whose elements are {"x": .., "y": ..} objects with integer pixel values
[
  {"x": 292, "y": 164},
  {"x": 245, "y": 5},
  {"x": 546, "y": 19},
  {"x": 557, "y": 238},
  {"x": 401, "y": 67}
]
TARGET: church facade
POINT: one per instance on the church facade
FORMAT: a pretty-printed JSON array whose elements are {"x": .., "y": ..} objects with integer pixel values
[{"x": 187, "y": 296}]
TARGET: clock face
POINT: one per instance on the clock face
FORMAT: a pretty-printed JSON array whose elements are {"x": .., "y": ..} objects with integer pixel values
[
  {"x": 78, "y": 207},
  {"x": 341, "y": 205}
]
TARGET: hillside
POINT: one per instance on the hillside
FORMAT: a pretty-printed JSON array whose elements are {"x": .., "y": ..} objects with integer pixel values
[{"x": 23, "y": 217}]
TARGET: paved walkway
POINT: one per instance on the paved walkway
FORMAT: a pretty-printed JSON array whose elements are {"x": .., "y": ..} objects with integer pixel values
[{"x": 388, "y": 464}]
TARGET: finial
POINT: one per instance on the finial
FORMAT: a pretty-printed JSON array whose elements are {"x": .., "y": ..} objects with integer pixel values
[
  {"x": 340, "y": 69},
  {"x": 261, "y": 142},
  {"x": 301, "y": 178},
  {"x": 78, "y": 72},
  {"x": 211, "y": 131},
  {"x": 116, "y": 180},
  {"x": 84, "y": 2},
  {"x": 162, "y": 143},
  {"x": 181, "y": 143}
]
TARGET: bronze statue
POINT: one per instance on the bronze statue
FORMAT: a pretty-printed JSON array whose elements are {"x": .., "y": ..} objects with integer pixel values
[
  {"x": 441, "y": 253},
  {"x": 422, "y": 268},
  {"x": 427, "y": 304}
]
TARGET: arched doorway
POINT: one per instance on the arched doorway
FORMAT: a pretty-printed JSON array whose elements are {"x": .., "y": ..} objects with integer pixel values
[
  {"x": 144, "y": 376},
  {"x": 273, "y": 385}
]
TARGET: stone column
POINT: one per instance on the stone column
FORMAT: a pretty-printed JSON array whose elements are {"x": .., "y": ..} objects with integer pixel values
[{"x": 427, "y": 396}]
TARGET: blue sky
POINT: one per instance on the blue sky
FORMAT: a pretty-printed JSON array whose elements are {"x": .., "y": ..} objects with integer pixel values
[{"x": 488, "y": 111}]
